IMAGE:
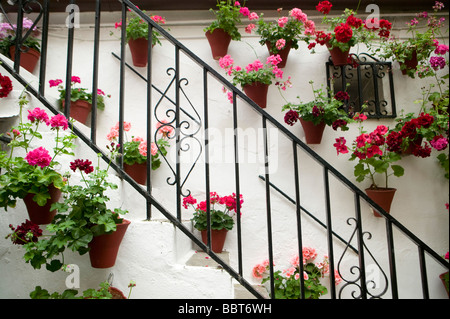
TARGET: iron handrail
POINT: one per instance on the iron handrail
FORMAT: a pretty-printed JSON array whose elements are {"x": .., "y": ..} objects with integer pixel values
[{"x": 266, "y": 118}]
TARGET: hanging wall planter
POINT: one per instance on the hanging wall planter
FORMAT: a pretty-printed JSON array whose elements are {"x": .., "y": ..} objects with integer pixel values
[
  {"x": 28, "y": 58},
  {"x": 338, "y": 57},
  {"x": 219, "y": 40},
  {"x": 257, "y": 91},
  {"x": 79, "y": 110},
  {"x": 410, "y": 64},
  {"x": 42, "y": 215},
  {"x": 218, "y": 238},
  {"x": 313, "y": 132},
  {"x": 103, "y": 249},
  {"x": 137, "y": 171},
  {"x": 383, "y": 197},
  {"x": 139, "y": 51}
]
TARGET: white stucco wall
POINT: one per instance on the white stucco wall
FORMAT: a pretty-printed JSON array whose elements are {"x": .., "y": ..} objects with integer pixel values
[{"x": 153, "y": 252}]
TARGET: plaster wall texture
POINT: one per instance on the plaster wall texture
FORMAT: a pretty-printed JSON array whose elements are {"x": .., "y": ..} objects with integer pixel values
[{"x": 153, "y": 252}]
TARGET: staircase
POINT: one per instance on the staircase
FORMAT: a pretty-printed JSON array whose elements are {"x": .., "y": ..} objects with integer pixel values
[{"x": 161, "y": 250}]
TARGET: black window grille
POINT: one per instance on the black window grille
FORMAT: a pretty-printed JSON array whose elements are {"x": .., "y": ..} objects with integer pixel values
[{"x": 368, "y": 81}]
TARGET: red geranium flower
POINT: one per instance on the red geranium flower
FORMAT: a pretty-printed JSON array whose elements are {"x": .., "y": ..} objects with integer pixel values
[
  {"x": 324, "y": 7},
  {"x": 343, "y": 33}
]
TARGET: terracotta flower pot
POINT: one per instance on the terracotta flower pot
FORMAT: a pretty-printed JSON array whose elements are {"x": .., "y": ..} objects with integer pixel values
[
  {"x": 79, "y": 110},
  {"x": 139, "y": 51},
  {"x": 217, "y": 239},
  {"x": 103, "y": 249},
  {"x": 28, "y": 59},
  {"x": 42, "y": 215},
  {"x": 257, "y": 92},
  {"x": 338, "y": 56},
  {"x": 410, "y": 64},
  {"x": 219, "y": 41},
  {"x": 313, "y": 133},
  {"x": 383, "y": 197},
  {"x": 284, "y": 53},
  {"x": 137, "y": 171}
]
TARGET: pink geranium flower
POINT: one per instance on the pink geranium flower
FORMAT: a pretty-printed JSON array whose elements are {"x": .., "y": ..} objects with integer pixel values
[
  {"x": 39, "y": 157},
  {"x": 38, "y": 115},
  {"x": 59, "y": 121}
]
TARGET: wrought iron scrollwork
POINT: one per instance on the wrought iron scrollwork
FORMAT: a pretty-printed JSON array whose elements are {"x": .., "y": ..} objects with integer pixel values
[
  {"x": 188, "y": 128},
  {"x": 375, "y": 285},
  {"x": 368, "y": 81}
]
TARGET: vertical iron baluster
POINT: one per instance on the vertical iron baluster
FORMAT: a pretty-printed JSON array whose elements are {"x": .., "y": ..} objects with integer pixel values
[
  {"x": 392, "y": 267},
  {"x": 177, "y": 130},
  {"x": 268, "y": 206},
  {"x": 360, "y": 240},
  {"x": 95, "y": 72},
  {"x": 329, "y": 234},
  {"x": 423, "y": 273},
  {"x": 149, "y": 118},
  {"x": 19, "y": 27},
  {"x": 44, "y": 42},
  {"x": 69, "y": 69},
  {"x": 237, "y": 181},
  {"x": 207, "y": 181},
  {"x": 299, "y": 222},
  {"x": 123, "y": 36},
  {"x": 375, "y": 88}
]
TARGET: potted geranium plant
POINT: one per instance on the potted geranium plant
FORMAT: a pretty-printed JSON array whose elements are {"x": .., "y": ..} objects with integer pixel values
[
  {"x": 287, "y": 282},
  {"x": 346, "y": 31},
  {"x": 84, "y": 223},
  {"x": 137, "y": 37},
  {"x": 80, "y": 98},
  {"x": 134, "y": 151},
  {"x": 324, "y": 109},
  {"x": 256, "y": 77},
  {"x": 222, "y": 212},
  {"x": 34, "y": 177},
  {"x": 224, "y": 28},
  {"x": 376, "y": 153},
  {"x": 283, "y": 34},
  {"x": 415, "y": 50},
  {"x": 30, "y": 49}
]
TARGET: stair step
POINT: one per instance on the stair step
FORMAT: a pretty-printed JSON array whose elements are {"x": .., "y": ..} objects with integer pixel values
[
  {"x": 202, "y": 259},
  {"x": 240, "y": 292}
]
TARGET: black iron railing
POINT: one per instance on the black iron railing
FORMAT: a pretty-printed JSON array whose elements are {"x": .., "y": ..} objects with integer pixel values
[{"x": 202, "y": 120}]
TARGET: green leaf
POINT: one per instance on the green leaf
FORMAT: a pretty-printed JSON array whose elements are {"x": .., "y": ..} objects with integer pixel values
[{"x": 398, "y": 170}]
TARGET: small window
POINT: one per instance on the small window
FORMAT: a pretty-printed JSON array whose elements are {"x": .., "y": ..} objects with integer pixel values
[{"x": 367, "y": 81}]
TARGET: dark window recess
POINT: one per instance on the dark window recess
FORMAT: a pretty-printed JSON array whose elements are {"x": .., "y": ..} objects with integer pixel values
[{"x": 368, "y": 81}]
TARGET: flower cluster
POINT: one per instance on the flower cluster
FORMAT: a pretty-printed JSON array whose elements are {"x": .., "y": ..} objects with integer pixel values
[
  {"x": 255, "y": 71},
  {"x": 37, "y": 170},
  {"x": 376, "y": 152},
  {"x": 287, "y": 281},
  {"x": 347, "y": 30},
  {"x": 228, "y": 17},
  {"x": 324, "y": 108},
  {"x": 424, "y": 30},
  {"x": 25, "y": 233},
  {"x": 5, "y": 85},
  {"x": 135, "y": 151},
  {"x": 283, "y": 31},
  {"x": 8, "y": 36},
  {"x": 136, "y": 27},
  {"x": 220, "y": 217},
  {"x": 83, "y": 165},
  {"x": 77, "y": 93}
]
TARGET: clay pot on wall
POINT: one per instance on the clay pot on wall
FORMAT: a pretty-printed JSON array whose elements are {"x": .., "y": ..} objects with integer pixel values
[
  {"x": 219, "y": 41},
  {"x": 103, "y": 249},
  {"x": 42, "y": 215}
]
